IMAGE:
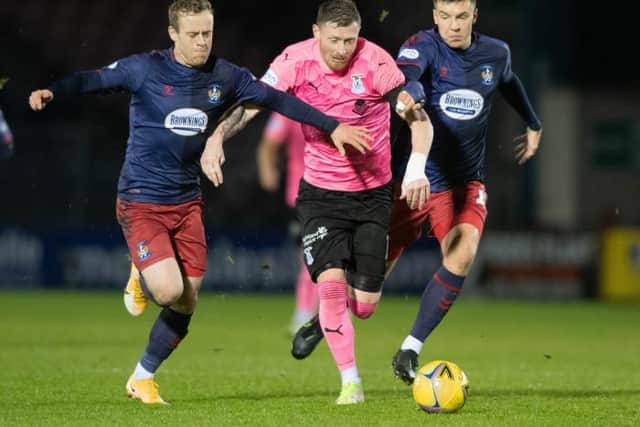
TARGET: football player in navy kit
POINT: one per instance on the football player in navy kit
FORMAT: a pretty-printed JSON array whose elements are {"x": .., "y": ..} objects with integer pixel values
[
  {"x": 177, "y": 96},
  {"x": 457, "y": 73}
]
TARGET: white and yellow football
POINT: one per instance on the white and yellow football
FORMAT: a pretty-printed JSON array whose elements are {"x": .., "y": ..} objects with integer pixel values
[{"x": 440, "y": 386}]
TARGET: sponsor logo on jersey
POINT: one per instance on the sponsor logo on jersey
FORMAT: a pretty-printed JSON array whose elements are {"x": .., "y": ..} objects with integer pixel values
[
  {"x": 143, "y": 250},
  {"x": 486, "y": 72},
  {"x": 270, "y": 77},
  {"x": 462, "y": 104},
  {"x": 409, "y": 53},
  {"x": 215, "y": 94},
  {"x": 357, "y": 86},
  {"x": 186, "y": 121}
]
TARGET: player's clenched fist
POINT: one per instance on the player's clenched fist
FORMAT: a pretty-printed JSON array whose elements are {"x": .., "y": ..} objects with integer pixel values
[{"x": 40, "y": 98}]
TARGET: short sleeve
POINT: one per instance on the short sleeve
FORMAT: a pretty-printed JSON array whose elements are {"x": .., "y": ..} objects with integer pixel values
[
  {"x": 281, "y": 72},
  {"x": 387, "y": 76}
]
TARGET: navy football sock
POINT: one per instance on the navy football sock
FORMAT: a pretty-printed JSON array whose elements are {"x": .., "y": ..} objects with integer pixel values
[
  {"x": 437, "y": 298},
  {"x": 168, "y": 330}
]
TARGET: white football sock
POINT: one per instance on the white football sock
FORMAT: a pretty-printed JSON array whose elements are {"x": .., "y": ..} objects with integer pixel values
[
  {"x": 411, "y": 343},
  {"x": 142, "y": 374},
  {"x": 350, "y": 375}
]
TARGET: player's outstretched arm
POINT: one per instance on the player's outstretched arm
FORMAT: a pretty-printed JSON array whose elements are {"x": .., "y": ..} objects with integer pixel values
[
  {"x": 39, "y": 99},
  {"x": 299, "y": 111},
  {"x": 125, "y": 74}
]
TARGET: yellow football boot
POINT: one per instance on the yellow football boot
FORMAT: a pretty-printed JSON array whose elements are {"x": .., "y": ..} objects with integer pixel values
[
  {"x": 134, "y": 299},
  {"x": 144, "y": 390}
]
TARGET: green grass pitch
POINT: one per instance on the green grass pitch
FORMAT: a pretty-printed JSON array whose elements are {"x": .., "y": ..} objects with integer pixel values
[{"x": 65, "y": 358}]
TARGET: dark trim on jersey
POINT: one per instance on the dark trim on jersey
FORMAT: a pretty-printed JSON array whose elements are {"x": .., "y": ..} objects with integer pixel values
[
  {"x": 392, "y": 96},
  {"x": 515, "y": 94}
]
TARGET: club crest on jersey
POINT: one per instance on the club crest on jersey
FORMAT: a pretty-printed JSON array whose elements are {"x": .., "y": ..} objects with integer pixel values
[
  {"x": 486, "y": 72},
  {"x": 186, "y": 121},
  {"x": 215, "y": 94},
  {"x": 357, "y": 85},
  {"x": 143, "y": 250}
]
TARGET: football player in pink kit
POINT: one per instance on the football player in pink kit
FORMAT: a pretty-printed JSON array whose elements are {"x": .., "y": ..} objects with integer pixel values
[
  {"x": 345, "y": 197},
  {"x": 278, "y": 133}
]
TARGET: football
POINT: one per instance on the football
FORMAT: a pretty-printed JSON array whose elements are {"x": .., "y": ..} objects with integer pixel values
[{"x": 440, "y": 386}]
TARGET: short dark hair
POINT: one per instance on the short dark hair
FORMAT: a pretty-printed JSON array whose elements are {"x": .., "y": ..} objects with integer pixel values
[
  {"x": 342, "y": 12},
  {"x": 435, "y": 2},
  {"x": 187, "y": 7}
]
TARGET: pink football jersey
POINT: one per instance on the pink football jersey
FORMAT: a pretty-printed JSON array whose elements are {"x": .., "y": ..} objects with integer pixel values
[{"x": 355, "y": 97}]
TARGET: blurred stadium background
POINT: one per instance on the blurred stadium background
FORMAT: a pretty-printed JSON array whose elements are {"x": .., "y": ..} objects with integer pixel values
[{"x": 563, "y": 227}]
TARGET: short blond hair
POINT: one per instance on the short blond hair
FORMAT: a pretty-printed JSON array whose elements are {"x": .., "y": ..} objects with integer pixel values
[{"x": 187, "y": 7}]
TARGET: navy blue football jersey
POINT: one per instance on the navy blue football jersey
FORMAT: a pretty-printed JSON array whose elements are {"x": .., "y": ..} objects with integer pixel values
[
  {"x": 460, "y": 86},
  {"x": 172, "y": 111}
]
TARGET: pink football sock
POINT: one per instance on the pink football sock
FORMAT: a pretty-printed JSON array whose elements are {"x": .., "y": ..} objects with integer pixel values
[{"x": 336, "y": 322}]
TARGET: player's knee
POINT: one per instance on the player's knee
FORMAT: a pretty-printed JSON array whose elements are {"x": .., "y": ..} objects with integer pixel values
[
  {"x": 168, "y": 294},
  {"x": 460, "y": 260},
  {"x": 186, "y": 304},
  {"x": 362, "y": 310}
]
